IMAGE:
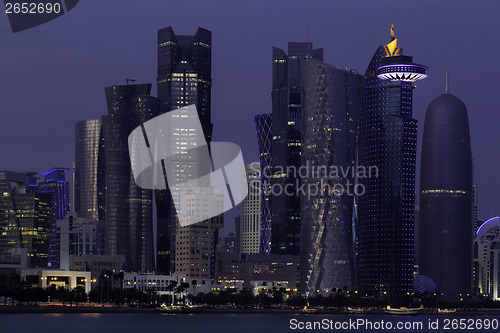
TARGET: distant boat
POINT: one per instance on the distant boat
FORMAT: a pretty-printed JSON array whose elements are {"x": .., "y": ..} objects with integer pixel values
[
  {"x": 403, "y": 311},
  {"x": 355, "y": 310},
  {"x": 446, "y": 311},
  {"x": 309, "y": 310},
  {"x": 181, "y": 308}
]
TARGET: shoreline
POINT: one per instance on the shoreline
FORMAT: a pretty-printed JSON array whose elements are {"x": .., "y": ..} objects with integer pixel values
[{"x": 33, "y": 309}]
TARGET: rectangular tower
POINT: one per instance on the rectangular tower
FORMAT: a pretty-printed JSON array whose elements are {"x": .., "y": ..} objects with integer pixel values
[
  {"x": 185, "y": 78},
  {"x": 56, "y": 186},
  {"x": 286, "y": 144}
]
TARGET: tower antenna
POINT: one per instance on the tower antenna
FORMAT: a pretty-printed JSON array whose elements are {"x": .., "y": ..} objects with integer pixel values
[
  {"x": 308, "y": 40},
  {"x": 447, "y": 80}
]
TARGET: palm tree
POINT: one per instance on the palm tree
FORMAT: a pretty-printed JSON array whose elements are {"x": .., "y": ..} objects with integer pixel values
[
  {"x": 194, "y": 283},
  {"x": 62, "y": 294},
  {"x": 119, "y": 277},
  {"x": 106, "y": 275},
  {"x": 171, "y": 287},
  {"x": 181, "y": 288}
]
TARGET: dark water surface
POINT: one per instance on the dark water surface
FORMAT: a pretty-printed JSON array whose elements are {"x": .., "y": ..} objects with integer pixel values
[{"x": 222, "y": 323}]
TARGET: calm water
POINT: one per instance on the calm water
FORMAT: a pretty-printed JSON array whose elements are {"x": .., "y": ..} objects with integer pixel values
[{"x": 220, "y": 323}]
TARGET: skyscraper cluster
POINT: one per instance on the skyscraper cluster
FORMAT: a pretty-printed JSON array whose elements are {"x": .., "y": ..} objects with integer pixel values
[
  {"x": 325, "y": 117},
  {"x": 334, "y": 187},
  {"x": 141, "y": 224}
]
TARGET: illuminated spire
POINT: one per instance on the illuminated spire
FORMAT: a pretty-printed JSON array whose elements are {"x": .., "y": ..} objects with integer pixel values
[{"x": 392, "y": 48}]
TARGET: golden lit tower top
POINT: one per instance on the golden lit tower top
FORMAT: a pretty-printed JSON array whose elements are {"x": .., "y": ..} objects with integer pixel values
[
  {"x": 398, "y": 67},
  {"x": 392, "y": 49}
]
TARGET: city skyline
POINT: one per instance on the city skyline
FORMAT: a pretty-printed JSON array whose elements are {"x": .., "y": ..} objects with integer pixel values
[{"x": 433, "y": 44}]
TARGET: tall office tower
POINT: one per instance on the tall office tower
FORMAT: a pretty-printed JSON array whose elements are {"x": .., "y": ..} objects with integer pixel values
[
  {"x": 184, "y": 78},
  {"x": 387, "y": 140},
  {"x": 250, "y": 212},
  {"x": 56, "y": 186},
  {"x": 330, "y": 107},
  {"x": 263, "y": 126},
  {"x": 446, "y": 197},
  {"x": 129, "y": 208},
  {"x": 89, "y": 182},
  {"x": 286, "y": 145},
  {"x": 25, "y": 217}
]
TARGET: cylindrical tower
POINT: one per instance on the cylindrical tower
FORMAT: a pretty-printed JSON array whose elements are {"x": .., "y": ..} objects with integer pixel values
[
  {"x": 445, "y": 246},
  {"x": 89, "y": 170}
]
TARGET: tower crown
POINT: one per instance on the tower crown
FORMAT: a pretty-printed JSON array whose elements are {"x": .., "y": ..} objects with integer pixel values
[{"x": 398, "y": 67}]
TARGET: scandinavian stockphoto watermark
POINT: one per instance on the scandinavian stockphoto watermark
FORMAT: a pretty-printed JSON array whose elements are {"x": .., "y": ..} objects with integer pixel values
[
  {"x": 204, "y": 180},
  {"x": 310, "y": 180}
]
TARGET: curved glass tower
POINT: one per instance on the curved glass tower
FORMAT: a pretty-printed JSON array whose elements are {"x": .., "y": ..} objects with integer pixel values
[
  {"x": 446, "y": 216},
  {"x": 129, "y": 208},
  {"x": 387, "y": 141},
  {"x": 330, "y": 106},
  {"x": 89, "y": 170}
]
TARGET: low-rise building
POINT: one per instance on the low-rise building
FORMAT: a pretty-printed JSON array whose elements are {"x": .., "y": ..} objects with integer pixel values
[
  {"x": 259, "y": 267},
  {"x": 39, "y": 277}
]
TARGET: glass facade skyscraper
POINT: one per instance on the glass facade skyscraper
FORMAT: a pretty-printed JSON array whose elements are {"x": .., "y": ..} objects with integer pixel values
[
  {"x": 89, "y": 170},
  {"x": 446, "y": 198},
  {"x": 129, "y": 208},
  {"x": 330, "y": 107},
  {"x": 185, "y": 78},
  {"x": 286, "y": 144},
  {"x": 387, "y": 140},
  {"x": 263, "y": 126},
  {"x": 55, "y": 186}
]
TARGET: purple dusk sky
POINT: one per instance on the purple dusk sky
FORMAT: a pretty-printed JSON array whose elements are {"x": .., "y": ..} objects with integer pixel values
[{"x": 54, "y": 75}]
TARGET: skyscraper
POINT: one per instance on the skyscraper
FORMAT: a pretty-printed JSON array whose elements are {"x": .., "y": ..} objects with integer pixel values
[
  {"x": 446, "y": 197},
  {"x": 330, "y": 107},
  {"x": 129, "y": 208},
  {"x": 184, "y": 78},
  {"x": 250, "y": 216},
  {"x": 263, "y": 126},
  {"x": 56, "y": 186},
  {"x": 286, "y": 144},
  {"x": 89, "y": 170},
  {"x": 387, "y": 139}
]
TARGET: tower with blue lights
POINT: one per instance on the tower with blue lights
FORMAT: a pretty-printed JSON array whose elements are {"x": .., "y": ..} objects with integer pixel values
[
  {"x": 387, "y": 140},
  {"x": 55, "y": 186}
]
